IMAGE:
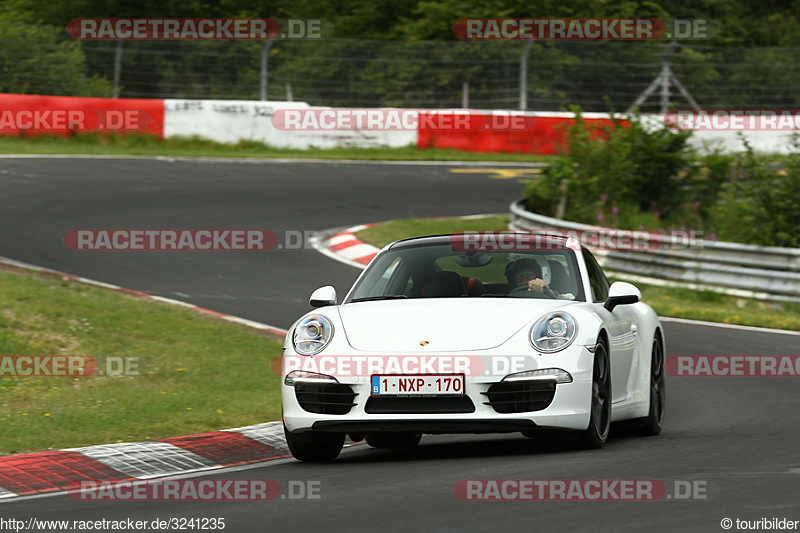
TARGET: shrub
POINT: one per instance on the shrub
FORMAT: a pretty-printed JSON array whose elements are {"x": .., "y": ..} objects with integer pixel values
[
  {"x": 606, "y": 170},
  {"x": 760, "y": 203}
]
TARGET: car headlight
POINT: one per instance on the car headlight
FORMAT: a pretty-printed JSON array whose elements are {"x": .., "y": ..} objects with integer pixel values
[
  {"x": 312, "y": 334},
  {"x": 553, "y": 332}
]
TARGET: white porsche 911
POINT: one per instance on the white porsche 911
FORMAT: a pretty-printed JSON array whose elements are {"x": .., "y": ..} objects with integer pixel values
[{"x": 461, "y": 333}]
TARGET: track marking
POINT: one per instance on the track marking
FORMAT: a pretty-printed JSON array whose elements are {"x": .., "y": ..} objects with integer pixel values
[
  {"x": 728, "y": 326},
  {"x": 501, "y": 173}
]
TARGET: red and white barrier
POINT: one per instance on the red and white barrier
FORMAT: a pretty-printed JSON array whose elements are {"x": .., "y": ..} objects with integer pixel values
[{"x": 231, "y": 121}]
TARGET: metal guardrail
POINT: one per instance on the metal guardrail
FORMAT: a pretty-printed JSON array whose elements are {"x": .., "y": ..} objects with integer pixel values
[{"x": 768, "y": 272}]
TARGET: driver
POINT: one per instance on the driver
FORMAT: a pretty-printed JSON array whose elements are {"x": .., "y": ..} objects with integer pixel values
[{"x": 526, "y": 271}]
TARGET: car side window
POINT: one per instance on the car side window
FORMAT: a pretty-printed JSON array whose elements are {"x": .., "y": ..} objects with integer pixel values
[{"x": 597, "y": 279}]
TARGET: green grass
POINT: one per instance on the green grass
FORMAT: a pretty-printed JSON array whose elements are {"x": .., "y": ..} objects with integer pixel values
[
  {"x": 198, "y": 373},
  {"x": 716, "y": 307},
  {"x": 667, "y": 301},
  {"x": 149, "y": 145},
  {"x": 382, "y": 234}
]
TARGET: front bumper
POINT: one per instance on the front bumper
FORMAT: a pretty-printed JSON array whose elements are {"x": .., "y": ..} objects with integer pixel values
[{"x": 475, "y": 412}]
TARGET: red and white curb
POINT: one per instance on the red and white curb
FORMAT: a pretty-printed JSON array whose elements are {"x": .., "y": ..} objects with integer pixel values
[
  {"x": 345, "y": 247},
  {"x": 54, "y": 471}
]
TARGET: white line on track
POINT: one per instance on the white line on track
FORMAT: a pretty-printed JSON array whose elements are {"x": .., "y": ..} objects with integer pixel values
[
  {"x": 276, "y": 160},
  {"x": 728, "y": 326},
  {"x": 228, "y": 318}
]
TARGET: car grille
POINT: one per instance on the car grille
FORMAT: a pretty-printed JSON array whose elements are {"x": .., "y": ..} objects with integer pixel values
[
  {"x": 419, "y": 405},
  {"x": 520, "y": 396},
  {"x": 325, "y": 399}
]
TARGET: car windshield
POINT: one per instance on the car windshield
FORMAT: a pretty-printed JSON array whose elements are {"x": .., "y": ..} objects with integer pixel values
[{"x": 441, "y": 271}]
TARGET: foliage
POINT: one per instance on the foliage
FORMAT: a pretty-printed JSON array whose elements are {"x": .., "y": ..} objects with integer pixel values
[
  {"x": 637, "y": 176},
  {"x": 614, "y": 171},
  {"x": 33, "y": 56},
  {"x": 760, "y": 204},
  {"x": 412, "y": 57}
]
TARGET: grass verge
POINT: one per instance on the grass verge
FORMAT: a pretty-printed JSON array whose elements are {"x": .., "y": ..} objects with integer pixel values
[
  {"x": 197, "y": 373},
  {"x": 149, "y": 145},
  {"x": 667, "y": 301}
]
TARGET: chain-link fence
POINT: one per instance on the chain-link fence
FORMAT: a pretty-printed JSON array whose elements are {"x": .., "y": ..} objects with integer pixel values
[{"x": 596, "y": 75}]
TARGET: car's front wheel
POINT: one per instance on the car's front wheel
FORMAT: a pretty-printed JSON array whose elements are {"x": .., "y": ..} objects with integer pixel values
[
  {"x": 314, "y": 446},
  {"x": 596, "y": 434},
  {"x": 393, "y": 440},
  {"x": 654, "y": 421}
]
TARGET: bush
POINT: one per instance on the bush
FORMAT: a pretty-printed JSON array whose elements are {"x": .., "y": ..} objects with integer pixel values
[
  {"x": 36, "y": 61},
  {"x": 760, "y": 203},
  {"x": 629, "y": 176},
  {"x": 605, "y": 171}
]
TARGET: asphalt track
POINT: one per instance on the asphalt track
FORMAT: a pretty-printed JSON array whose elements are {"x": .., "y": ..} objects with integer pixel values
[{"x": 738, "y": 436}]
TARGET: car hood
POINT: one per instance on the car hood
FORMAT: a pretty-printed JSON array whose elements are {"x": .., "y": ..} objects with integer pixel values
[{"x": 447, "y": 324}]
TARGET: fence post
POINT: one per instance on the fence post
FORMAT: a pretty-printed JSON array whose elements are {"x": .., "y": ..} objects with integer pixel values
[
  {"x": 117, "y": 70},
  {"x": 264, "y": 68},
  {"x": 523, "y": 77},
  {"x": 465, "y": 95}
]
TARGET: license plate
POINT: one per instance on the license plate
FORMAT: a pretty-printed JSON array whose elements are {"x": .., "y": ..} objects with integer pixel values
[{"x": 418, "y": 385}]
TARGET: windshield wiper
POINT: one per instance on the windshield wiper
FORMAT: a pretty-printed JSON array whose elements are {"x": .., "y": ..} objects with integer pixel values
[
  {"x": 494, "y": 295},
  {"x": 375, "y": 298}
]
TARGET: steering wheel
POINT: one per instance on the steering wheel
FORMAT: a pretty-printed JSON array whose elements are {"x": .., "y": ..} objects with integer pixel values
[{"x": 529, "y": 294}]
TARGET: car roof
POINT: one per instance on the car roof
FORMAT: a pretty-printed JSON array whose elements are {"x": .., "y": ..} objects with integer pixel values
[{"x": 459, "y": 238}]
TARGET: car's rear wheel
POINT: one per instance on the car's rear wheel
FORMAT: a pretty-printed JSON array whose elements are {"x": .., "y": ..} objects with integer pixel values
[
  {"x": 314, "y": 446},
  {"x": 393, "y": 440},
  {"x": 654, "y": 421},
  {"x": 596, "y": 434}
]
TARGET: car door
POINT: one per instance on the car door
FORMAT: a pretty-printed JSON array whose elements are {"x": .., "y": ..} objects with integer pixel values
[{"x": 621, "y": 330}]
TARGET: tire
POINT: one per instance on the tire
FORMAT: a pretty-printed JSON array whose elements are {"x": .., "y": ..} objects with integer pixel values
[
  {"x": 596, "y": 434},
  {"x": 314, "y": 446},
  {"x": 654, "y": 421},
  {"x": 393, "y": 440}
]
